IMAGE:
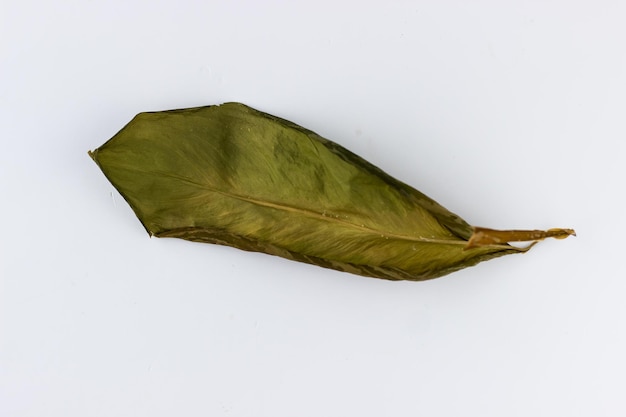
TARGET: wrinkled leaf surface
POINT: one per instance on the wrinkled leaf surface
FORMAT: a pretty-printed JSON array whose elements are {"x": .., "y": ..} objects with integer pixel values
[{"x": 235, "y": 176}]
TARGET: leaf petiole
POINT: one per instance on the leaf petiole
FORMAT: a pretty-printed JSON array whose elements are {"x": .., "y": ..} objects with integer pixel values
[{"x": 483, "y": 236}]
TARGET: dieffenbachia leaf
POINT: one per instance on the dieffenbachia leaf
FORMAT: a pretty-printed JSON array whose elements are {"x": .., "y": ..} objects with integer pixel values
[{"x": 235, "y": 176}]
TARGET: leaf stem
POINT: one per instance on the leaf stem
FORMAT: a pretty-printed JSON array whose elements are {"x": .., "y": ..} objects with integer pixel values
[{"x": 483, "y": 236}]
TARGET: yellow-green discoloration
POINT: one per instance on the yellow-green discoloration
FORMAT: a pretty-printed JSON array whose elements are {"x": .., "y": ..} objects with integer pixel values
[{"x": 235, "y": 176}]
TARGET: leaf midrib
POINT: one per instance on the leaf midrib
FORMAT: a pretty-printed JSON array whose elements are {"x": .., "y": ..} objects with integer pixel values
[{"x": 308, "y": 213}]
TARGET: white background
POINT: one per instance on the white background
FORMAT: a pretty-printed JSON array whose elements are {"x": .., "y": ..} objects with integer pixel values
[{"x": 511, "y": 114}]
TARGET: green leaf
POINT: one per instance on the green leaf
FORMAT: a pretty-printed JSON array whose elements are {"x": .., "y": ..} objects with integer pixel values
[{"x": 235, "y": 176}]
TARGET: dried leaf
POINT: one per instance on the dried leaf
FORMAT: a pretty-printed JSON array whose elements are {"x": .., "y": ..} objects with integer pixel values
[{"x": 235, "y": 176}]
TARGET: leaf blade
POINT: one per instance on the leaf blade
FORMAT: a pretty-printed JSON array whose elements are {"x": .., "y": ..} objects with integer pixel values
[{"x": 235, "y": 176}]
